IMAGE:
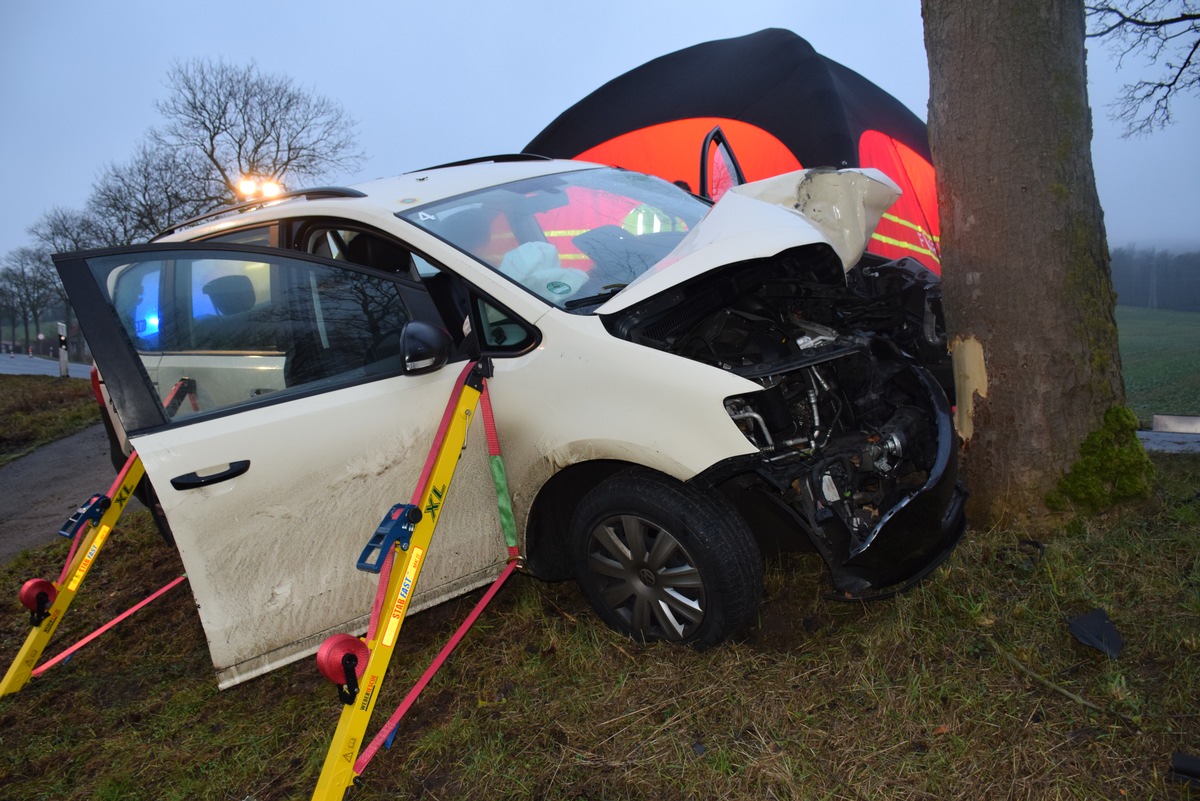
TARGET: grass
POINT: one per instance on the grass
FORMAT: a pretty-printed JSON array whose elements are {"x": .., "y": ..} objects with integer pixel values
[
  {"x": 1160, "y": 355},
  {"x": 39, "y": 409},
  {"x": 969, "y": 686}
]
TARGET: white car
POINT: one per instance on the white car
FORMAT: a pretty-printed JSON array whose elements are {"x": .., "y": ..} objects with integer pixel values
[{"x": 678, "y": 388}]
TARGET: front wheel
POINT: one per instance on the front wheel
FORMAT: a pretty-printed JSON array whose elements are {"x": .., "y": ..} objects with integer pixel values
[{"x": 660, "y": 561}]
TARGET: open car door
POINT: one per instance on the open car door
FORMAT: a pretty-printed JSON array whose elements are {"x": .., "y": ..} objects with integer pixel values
[{"x": 267, "y": 395}]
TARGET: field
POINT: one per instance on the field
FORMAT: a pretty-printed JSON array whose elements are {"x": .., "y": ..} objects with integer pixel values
[
  {"x": 968, "y": 687},
  {"x": 1160, "y": 355}
]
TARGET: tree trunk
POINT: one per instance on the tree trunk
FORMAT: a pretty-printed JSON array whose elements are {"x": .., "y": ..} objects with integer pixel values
[{"x": 1027, "y": 282}]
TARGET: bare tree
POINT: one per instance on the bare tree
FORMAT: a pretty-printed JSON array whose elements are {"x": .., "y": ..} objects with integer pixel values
[
  {"x": 25, "y": 277},
  {"x": 1028, "y": 292},
  {"x": 58, "y": 231},
  {"x": 1167, "y": 33},
  {"x": 61, "y": 230},
  {"x": 240, "y": 121},
  {"x": 10, "y": 310},
  {"x": 222, "y": 122},
  {"x": 158, "y": 188}
]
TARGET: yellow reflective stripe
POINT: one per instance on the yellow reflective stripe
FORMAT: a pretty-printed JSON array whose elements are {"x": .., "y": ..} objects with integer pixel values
[
  {"x": 572, "y": 256},
  {"x": 900, "y": 243},
  {"x": 567, "y": 232},
  {"x": 912, "y": 225}
]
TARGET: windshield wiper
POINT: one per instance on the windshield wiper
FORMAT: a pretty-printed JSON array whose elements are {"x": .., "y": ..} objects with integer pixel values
[{"x": 594, "y": 300}]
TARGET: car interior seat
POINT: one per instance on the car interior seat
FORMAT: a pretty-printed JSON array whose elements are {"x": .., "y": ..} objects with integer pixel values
[
  {"x": 378, "y": 253},
  {"x": 239, "y": 323},
  {"x": 469, "y": 230},
  {"x": 230, "y": 294}
]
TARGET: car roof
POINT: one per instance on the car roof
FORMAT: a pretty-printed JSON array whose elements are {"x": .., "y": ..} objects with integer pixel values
[{"x": 381, "y": 196}]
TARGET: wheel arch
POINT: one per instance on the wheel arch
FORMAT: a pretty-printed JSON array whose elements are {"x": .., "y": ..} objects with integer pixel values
[{"x": 546, "y": 554}]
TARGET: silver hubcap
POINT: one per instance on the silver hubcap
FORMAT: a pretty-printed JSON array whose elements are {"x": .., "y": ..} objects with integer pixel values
[{"x": 647, "y": 577}]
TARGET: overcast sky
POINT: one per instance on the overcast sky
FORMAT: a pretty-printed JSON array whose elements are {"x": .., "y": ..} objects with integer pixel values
[{"x": 440, "y": 81}]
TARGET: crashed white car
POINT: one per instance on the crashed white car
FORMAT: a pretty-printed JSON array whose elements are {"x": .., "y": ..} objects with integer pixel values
[{"x": 678, "y": 388}]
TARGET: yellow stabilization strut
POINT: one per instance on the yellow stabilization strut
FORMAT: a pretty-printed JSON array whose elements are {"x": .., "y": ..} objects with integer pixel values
[
  {"x": 60, "y": 594},
  {"x": 338, "y": 774}
]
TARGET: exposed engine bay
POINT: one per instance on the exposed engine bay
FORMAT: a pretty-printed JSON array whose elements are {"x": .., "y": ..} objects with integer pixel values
[{"x": 852, "y": 424}]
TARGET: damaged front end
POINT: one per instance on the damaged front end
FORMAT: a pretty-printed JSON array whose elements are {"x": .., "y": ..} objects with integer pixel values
[{"x": 852, "y": 426}]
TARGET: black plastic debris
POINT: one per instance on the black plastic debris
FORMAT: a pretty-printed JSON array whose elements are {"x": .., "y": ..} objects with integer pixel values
[
  {"x": 1185, "y": 769},
  {"x": 1095, "y": 630}
]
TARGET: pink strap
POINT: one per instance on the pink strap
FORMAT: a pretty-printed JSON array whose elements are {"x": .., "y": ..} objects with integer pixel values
[
  {"x": 369, "y": 752},
  {"x": 46, "y": 666},
  {"x": 447, "y": 418},
  {"x": 493, "y": 442},
  {"x": 489, "y": 421},
  {"x": 62, "y": 577}
]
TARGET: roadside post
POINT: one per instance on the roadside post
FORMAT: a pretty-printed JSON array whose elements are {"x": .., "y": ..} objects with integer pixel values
[{"x": 62, "y": 351}]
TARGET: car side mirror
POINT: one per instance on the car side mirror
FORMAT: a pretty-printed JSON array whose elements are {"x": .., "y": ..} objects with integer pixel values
[
  {"x": 424, "y": 348},
  {"x": 412, "y": 350}
]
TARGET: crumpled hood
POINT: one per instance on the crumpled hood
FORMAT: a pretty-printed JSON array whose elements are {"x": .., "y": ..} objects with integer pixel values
[{"x": 839, "y": 208}]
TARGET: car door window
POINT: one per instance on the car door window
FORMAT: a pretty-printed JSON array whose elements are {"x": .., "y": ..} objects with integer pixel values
[
  {"x": 219, "y": 330},
  {"x": 502, "y": 332},
  {"x": 450, "y": 296},
  {"x": 355, "y": 245}
]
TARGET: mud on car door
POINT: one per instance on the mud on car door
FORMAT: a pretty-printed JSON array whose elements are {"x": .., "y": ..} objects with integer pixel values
[{"x": 269, "y": 399}]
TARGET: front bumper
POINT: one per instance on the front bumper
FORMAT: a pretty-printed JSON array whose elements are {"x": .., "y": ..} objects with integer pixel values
[
  {"x": 908, "y": 539},
  {"x": 914, "y": 536}
]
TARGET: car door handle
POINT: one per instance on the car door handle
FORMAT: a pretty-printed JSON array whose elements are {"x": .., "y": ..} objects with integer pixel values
[{"x": 194, "y": 480}]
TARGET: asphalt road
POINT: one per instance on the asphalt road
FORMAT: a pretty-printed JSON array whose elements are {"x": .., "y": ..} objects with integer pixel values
[
  {"x": 18, "y": 364},
  {"x": 45, "y": 488}
]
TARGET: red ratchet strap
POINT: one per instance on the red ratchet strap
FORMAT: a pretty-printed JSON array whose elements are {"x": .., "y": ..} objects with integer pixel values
[
  {"x": 62, "y": 577},
  {"x": 373, "y": 747},
  {"x": 385, "y": 570},
  {"x": 65, "y": 654}
]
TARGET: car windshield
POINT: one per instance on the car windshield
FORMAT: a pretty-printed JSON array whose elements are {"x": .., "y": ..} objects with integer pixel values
[{"x": 574, "y": 239}]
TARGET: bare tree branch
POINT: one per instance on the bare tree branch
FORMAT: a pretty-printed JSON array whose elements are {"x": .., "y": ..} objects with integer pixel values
[
  {"x": 158, "y": 188},
  {"x": 30, "y": 287},
  {"x": 221, "y": 122},
  {"x": 1164, "y": 32},
  {"x": 60, "y": 230},
  {"x": 242, "y": 122}
]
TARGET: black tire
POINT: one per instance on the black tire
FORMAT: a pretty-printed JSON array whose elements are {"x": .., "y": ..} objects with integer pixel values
[{"x": 658, "y": 560}]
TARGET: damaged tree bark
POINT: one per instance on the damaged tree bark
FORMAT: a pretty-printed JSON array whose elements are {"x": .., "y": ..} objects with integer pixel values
[{"x": 1027, "y": 284}]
